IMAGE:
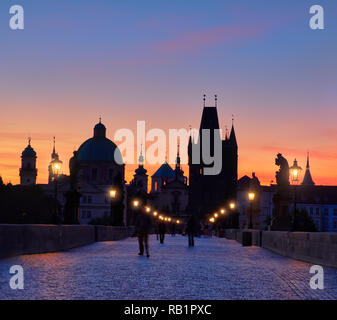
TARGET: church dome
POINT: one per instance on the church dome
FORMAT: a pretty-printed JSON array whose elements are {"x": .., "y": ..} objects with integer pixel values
[
  {"x": 164, "y": 171},
  {"x": 29, "y": 152},
  {"x": 99, "y": 148}
]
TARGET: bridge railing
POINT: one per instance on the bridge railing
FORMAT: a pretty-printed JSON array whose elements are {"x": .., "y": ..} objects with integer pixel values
[
  {"x": 32, "y": 239},
  {"x": 314, "y": 247}
]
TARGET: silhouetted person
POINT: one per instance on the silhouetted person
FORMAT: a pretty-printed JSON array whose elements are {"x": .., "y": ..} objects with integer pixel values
[
  {"x": 143, "y": 227},
  {"x": 162, "y": 231},
  {"x": 191, "y": 229}
]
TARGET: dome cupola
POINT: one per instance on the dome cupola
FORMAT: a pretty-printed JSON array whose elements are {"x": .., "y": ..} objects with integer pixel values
[{"x": 99, "y": 130}]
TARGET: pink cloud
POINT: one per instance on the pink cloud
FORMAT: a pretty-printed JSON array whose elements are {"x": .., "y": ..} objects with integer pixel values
[
  {"x": 196, "y": 40},
  {"x": 292, "y": 151}
]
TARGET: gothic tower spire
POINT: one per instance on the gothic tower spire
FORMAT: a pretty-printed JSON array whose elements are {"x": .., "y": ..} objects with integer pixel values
[{"x": 307, "y": 180}]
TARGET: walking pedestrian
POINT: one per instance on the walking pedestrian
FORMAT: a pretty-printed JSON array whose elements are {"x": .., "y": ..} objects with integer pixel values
[
  {"x": 162, "y": 231},
  {"x": 191, "y": 229},
  {"x": 143, "y": 227}
]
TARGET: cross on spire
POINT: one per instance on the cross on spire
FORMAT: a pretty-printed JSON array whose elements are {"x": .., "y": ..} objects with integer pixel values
[
  {"x": 204, "y": 100},
  {"x": 29, "y": 140},
  {"x": 216, "y": 100}
]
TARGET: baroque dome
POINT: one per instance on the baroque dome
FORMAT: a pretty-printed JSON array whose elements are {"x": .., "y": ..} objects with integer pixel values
[{"x": 99, "y": 148}]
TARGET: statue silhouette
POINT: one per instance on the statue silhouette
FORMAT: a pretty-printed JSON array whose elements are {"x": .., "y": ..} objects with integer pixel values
[{"x": 282, "y": 176}]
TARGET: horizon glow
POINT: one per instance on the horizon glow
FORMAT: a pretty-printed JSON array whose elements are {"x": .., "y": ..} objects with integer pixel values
[{"x": 74, "y": 63}]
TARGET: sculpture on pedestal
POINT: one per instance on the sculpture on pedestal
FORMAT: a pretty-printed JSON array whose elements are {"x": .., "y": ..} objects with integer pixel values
[{"x": 282, "y": 220}]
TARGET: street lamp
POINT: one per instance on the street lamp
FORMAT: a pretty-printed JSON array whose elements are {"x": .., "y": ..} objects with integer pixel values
[
  {"x": 148, "y": 209},
  {"x": 216, "y": 215},
  {"x": 56, "y": 166},
  {"x": 211, "y": 220},
  {"x": 155, "y": 213},
  {"x": 295, "y": 173},
  {"x": 251, "y": 197},
  {"x": 222, "y": 211},
  {"x": 232, "y": 205},
  {"x": 135, "y": 204},
  {"x": 113, "y": 195}
]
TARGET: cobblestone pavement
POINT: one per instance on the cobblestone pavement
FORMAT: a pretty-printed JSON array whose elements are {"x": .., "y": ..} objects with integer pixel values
[{"x": 214, "y": 269}]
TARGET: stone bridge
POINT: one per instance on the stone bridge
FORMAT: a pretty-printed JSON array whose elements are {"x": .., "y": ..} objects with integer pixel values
[{"x": 215, "y": 268}]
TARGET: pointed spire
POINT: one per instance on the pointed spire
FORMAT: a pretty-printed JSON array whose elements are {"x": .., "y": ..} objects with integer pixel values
[
  {"x": 100, "y": 119},
  {"x": 29, "y": 140},
  {"x": 141, "y": 157},
  {"x": 232, "y": 137},
  {"x": 53, "y": 145},
  {"x": 226, "y": 133},
  {"x": 307, "y": 180},
  {"x": 178, "y": 155}
]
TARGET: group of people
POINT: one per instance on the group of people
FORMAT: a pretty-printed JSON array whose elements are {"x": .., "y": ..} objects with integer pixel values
[{"x": 144, "y": 226}]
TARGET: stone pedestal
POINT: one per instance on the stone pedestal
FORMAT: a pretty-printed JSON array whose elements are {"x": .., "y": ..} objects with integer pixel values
[{"x": 282, "y": 218}]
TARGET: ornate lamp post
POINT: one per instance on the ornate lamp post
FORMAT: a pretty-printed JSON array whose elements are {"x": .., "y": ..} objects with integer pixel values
[
  {"x": 56, "y": 166},
  {"x": 251, "y": 197},
  {"x": 295, "y": 173},
  {"x": 113, "y": 195}
]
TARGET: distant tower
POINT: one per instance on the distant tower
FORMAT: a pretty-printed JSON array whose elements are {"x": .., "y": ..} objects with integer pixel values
[
  {"x": 307, "y": 180},
  {"x": 209, "y": 192},
  {"x": 28, "y": 171},
  {"x": 178, "y": 171},
  {"x": 54, "y": 156},
  {"x": 140, "y": 177}
]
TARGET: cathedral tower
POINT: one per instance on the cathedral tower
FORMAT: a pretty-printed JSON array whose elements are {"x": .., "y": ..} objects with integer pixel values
[{"x": 28, "y": 171}]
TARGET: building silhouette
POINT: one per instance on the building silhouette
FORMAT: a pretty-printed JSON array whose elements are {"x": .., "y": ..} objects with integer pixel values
[
  {"x": 208, "y": 192},
  {"x": 307, "y": 180},
  {"x": 28, "y": 170}
]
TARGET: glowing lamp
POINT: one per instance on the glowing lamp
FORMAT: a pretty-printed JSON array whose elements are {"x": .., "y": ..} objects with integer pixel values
[
  {"x": 232, "y": 205},
  {"x": 295, "y": 171},
  {"x": 113, "y": 193},
  {"x": 56, "y": 166},
  {"x": 251, "y": 196}
]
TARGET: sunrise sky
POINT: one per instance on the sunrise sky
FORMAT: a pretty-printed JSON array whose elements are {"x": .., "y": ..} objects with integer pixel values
[{"x": 153, "y": 60}]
